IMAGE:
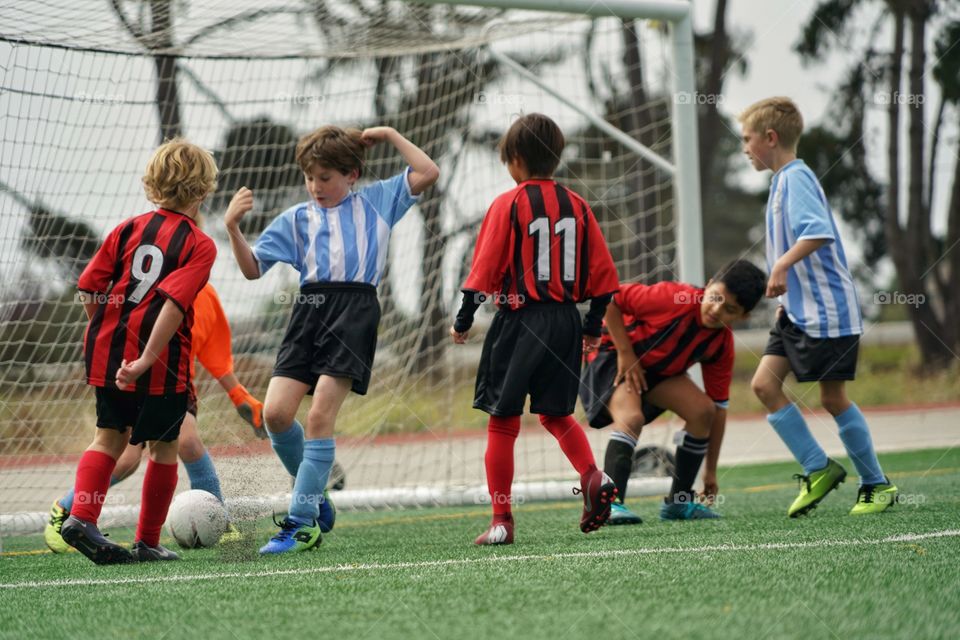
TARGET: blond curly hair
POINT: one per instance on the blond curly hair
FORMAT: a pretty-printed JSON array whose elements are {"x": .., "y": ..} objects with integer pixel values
[{"x": 179, "y": 175}]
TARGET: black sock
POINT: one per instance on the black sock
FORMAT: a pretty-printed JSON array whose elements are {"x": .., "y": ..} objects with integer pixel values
[
  {"x": 618, "y": 461},
  {"x": 690, "y": 454}
]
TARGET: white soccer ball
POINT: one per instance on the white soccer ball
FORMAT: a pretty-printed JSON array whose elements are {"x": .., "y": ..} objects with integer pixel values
[{"x": 196, "y": 519}]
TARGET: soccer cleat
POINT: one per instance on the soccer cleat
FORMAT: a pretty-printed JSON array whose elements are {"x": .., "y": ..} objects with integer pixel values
[
  {"x": 874, "y": 498},
  {"x": 51, "y": 533},
  {"x": 500, "y": 532},
  {"x": 598, "y": 492},
  {"x": 87, "y": 539},
  {"x": 231, "y": 536},
  {"x": 328, "y": 514},
  {"x": 619, "y": 514},
  {"x": 815, "y": 487},
  {"x": 691, "y": 510},
  {"x": 293, "y": 536},
  {"x": 145, "y": 553}
]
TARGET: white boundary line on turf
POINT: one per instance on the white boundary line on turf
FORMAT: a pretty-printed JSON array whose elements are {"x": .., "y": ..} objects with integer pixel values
[{"x": 614, "y": 553}]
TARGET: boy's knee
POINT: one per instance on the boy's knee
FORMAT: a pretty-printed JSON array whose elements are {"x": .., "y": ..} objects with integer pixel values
[
  {"x": 834, "y": 402},
  {"x": 631, "y": 422},
  {"x": 191, "y": 449},
  {"x": 277, "y": 419},
  {"x": 765, "y": 387},
  {"x": 701, "y": 419}
]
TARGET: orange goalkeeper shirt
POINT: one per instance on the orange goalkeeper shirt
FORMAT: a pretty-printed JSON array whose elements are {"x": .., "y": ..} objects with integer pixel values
[{"x": 211, "y": 335}]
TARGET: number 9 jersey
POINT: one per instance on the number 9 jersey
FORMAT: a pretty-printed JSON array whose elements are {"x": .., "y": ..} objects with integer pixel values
[
  {"x": 540, "y": 242},
  {"x": 146, "y": 260}
]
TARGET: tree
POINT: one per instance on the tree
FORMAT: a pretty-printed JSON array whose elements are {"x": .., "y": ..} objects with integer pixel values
[{"x": 916, "y": 251}]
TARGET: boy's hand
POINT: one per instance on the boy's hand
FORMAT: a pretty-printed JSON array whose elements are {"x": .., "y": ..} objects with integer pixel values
[
  {"x": 128, "y": 372},
  {"x": 630, "y": 371},
  {"x": 240, "y": 205},
  {"x": 777, "y": 285},
  {"x": 590, "y": 343},
  {"x": 373, "y": 135},
  {"x": 710, "y": 488},
  {"x": 458, "y": 338}
]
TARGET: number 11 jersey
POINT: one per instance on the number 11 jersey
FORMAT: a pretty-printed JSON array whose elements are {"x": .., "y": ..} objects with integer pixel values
[
  {"x": 146, "y": 260},
  {"x": 540, "y": 242}
]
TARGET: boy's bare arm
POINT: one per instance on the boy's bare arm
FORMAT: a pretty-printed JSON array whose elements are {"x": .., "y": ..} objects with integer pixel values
[
  {"x": 710, "y": 486},
  {"x": 424, "y": 170},
  {"x": 168, "y": 321},
  {"x": 777, "y": 285},
  {"x": 241, "y": 203},
  {"x": 628, "y": 365}
]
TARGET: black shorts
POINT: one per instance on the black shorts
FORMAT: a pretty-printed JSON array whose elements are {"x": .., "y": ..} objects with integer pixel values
[
  {"x": 813, "y": 359},
  {"x": 152, "y": 417},
  {"x": 596, "y": 389},
  {"x": 533, "y": 351},
  {"x": 332, "y": 331}
]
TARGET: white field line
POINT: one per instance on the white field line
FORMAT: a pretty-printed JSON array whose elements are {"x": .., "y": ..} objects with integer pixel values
[{"x": 394, "y": 566}]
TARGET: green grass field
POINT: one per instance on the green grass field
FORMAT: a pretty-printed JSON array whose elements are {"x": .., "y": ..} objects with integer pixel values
[{"x": 415, "y": 574}]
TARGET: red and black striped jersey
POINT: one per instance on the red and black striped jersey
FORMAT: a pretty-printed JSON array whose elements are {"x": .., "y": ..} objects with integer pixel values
[
  {"x": 540, "y": 242},
  {"x": 665, "y": 326},
  {"x": 146, "y": 260}
]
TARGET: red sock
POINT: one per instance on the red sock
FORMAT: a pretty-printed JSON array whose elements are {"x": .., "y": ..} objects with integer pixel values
[
  {"x": 90, "y": 488},
  {"x": 501, "y": 435},
  {"x": 159, "y": 483},
  {"x": 573, "y": 441}
]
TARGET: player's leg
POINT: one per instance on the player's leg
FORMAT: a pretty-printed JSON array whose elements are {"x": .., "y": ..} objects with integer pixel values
[
  {"x": 159, "y": 485},
  {"x": 785, "y": 417},
  {"x": 60, "y": 510},
  {"x": 280, "y": 417},
  {"x": 196, "y": 459},
  {"x": 876, "y": 492},
  {"x": 626, "y": 410},
  {"x": 680, "y": 395},
  {"x": 115, "y": 411}
]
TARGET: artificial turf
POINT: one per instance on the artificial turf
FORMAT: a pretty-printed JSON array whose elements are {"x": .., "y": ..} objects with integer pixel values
[{"x": 415, "y": 574}]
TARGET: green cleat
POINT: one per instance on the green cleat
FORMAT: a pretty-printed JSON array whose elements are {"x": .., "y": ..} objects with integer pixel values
[
  {"x": 51, "y": 533},
  {"x": 815, "y": 487},
  {"x": 619, "y": 514},
  {"x": 874, "y": 498},
  {"x": 231, "y": 536}
]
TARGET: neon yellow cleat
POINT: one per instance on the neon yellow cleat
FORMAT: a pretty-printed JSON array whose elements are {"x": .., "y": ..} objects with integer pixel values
[
  {"x": 51, "y": 533},
  {"x": 815, "y": 487},
  {"x": 231, "y": 536},
  {"x": 874, "y": 498}
]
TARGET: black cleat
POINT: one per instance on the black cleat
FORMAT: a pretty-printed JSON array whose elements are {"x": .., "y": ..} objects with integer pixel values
[
  {"x": 145, "y": 553},
  {"x": 87, "y": 539}
]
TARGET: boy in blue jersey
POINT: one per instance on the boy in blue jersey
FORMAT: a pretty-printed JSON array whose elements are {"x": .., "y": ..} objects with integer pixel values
[
  {"x": 338, "y": 241},
  {"x": 819, "y": 323}
]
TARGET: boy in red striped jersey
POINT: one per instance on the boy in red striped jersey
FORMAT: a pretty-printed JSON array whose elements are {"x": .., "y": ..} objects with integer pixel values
[
  {"x": 138, "y": 293},
  {"x": 652, "y": 335},
  {"x": 540, "y": 251}
]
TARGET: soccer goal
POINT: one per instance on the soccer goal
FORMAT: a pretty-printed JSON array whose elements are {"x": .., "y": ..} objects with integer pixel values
[{"x": 87, "y": 90}]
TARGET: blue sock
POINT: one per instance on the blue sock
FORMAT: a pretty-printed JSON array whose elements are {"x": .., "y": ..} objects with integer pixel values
[
  {"x": 311, "y": 479},
  {"x": 793, "y": 430},
  {"x": 856, "y": 439},
  {"x": 203, "y": 476},
  {"x": 66, "y": 502},
  {"x": 289, "y": 447}
]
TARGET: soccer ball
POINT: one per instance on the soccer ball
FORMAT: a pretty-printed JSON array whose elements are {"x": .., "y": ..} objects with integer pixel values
[{"x": 196, "y": 519}]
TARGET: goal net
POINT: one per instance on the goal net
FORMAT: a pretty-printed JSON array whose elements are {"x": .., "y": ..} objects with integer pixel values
[{"x": 87, "y": 90}]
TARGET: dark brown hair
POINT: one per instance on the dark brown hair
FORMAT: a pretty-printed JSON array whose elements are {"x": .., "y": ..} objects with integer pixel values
[
  {"x": 535, "y": 139},
  {"x": 333, "y": 148}
]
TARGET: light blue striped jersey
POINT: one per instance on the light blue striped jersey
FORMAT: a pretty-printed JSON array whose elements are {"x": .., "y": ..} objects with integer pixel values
[
  {"x": 345, "y": 243},
  {"x": 821, "y": 298}
]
